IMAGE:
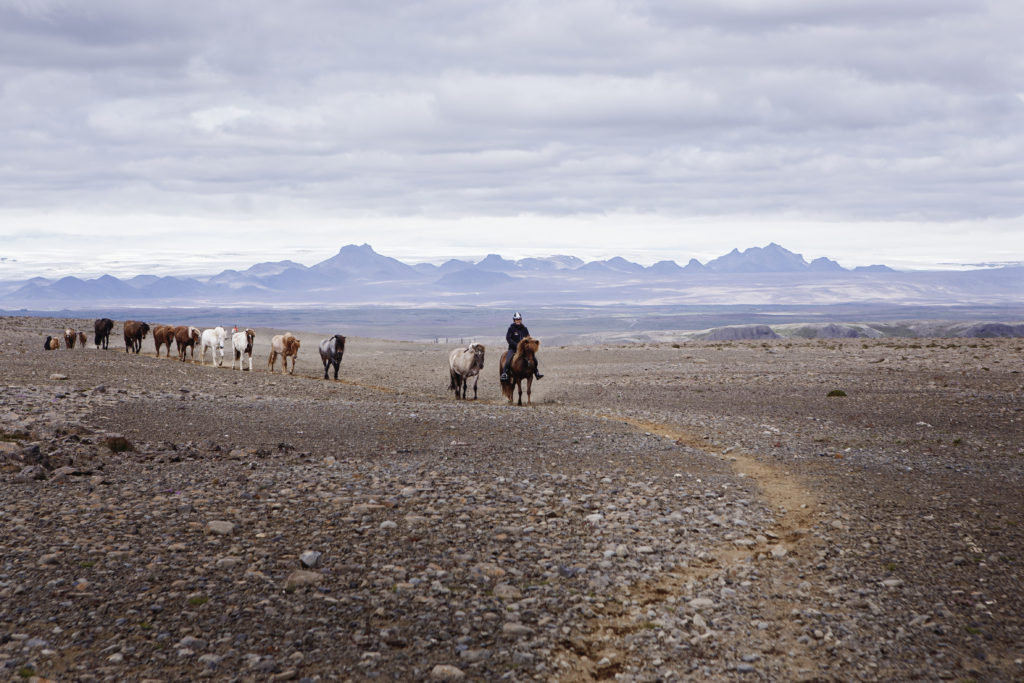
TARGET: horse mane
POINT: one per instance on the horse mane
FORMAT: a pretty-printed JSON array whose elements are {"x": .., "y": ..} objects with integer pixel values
[{"x": 527, "y": 348}]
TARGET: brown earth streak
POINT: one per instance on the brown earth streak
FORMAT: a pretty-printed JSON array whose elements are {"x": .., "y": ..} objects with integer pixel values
[{"x": 702, "y": 511}]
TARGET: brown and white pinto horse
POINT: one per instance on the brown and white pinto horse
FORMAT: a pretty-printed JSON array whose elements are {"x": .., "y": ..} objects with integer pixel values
[
  {"x": 284, "y": 345},
  {"x": 163, "y": 334},
  {"x": 134, "y": 333},
  {"x": 186, "y": 337},
  {"x": 524, "y": 364},
  {"x": 242, "y": 343},
  {"x": 70, "y": 337}
]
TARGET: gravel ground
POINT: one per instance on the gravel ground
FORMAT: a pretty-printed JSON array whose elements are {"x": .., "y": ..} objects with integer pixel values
[{"x": 702, "y": 511}]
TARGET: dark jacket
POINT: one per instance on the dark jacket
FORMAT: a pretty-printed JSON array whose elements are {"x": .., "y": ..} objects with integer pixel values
[{"x": 515, "y": 334}]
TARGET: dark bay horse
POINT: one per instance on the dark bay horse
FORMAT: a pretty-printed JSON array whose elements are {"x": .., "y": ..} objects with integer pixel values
[
  {"x": 524, "y": 364},
  {"x": 134, "y": 333},
  {"x": 102, "y": 327}
]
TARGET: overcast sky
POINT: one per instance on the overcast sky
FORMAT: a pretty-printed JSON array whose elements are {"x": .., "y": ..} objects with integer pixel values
[{"x": 154, "y": 136}]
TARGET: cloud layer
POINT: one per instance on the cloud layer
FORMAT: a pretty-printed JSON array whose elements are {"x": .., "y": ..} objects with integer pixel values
[{"x": 300, "y": 114}]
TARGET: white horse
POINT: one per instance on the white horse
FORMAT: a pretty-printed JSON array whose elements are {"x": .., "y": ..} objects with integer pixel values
[
  {"x": 242, "y": 343},
  {"x": 214, "y": 340},
  {"x": 463, "y": 364}
]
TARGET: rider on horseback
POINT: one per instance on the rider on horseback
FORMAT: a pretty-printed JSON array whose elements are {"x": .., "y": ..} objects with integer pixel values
[{"x": 516, "y": 332}]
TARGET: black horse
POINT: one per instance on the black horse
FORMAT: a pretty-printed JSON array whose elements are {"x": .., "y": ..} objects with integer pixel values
[
  {"x": 331, "y": 351},
  {"x": 103, "y": 326}
]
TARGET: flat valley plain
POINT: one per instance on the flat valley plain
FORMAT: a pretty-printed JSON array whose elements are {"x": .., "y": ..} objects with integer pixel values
[{"x": 694, "y": 511}]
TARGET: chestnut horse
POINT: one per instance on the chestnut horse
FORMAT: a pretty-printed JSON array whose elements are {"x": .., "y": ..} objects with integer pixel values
[
  {"x": 102, "y": 327},
  {"x": 185, "y": 338},
  {"x": 82, "y": 339},
  {"x": 163, "y": 334},
  {"x": 524, "y": 364},
  {"x": 134, "y": 333},
  {"x": 284, "y": 345}
]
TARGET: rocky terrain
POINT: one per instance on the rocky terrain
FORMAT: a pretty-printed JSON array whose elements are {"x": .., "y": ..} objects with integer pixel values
[{"x": 822, "y": 509}]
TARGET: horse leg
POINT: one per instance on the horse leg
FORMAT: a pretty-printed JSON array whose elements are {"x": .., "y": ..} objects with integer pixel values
[
  {"x": 336, "y": 366},
  {"x": 519, "y": 385},
  {"x": 476, "y": 378},
  {"x": 529, "y": 387}
]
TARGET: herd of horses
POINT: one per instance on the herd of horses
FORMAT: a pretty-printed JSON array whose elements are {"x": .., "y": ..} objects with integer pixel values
[{"x": 463, "y": 363}]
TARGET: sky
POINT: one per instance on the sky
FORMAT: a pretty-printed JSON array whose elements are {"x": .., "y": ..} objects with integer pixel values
[{"x": 193, "y": 136}]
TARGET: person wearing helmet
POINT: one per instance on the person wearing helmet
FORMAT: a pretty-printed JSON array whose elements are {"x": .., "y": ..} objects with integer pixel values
[{"x": 516, "y": 332}]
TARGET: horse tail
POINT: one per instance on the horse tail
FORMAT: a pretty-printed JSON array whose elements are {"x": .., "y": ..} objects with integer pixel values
[{"x": 454, "y": 375}]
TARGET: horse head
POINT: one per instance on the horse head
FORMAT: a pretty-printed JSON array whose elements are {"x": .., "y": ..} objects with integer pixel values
[
  {"x": 195, "y": 334},
  {"x": 478, "y": 352},
  {"x": 528, "y": 346}
]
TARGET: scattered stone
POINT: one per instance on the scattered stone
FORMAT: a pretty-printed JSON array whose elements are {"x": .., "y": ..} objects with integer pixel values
[
  {"x": 446, "y": 672},
  {"x": 301, "y": 578},
  {"x": 310, "y": 558},
  {"x": 220, "y": 528}
]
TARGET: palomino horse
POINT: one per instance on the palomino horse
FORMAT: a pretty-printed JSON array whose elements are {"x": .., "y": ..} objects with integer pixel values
[
  {"x": 524, "y": 364},
  {"x": 242, "y": 343},
  {"x": 163, "y": 335},
  {"x": 214, "y": 340},
  {"x": 284, "y": 345},
  {"x": 134, "y": 333},
  {"x": 331, "y": 351},
  {"x": 70, "y": 337},
  {"x": 463, "y": 364},
  {"x": 102, "y": 327},
  {"x": 185, "y": 338}
]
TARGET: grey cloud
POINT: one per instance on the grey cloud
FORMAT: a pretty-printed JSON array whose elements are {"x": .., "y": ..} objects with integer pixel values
[{"x": 849, "y": 109}]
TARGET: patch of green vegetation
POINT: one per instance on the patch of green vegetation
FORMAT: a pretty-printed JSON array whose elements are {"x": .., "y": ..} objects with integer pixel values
[
  {"x": 957, "y": 441},
  {"x": 118, "y": 444},
  {"x": 146, "y": 626},
  {"x": 86, "y": 564},
  {"x": 891, "y": 566},
  {"x": 197, "y": 600},
  {"x": 26, "y": 672},
  {"x": 973, "y": 630},
  {"x": 836, "y": 392},
  {"x": 650, "y": 625}
]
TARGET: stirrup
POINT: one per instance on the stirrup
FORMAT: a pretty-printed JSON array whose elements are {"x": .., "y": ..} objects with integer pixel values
[{"x": 504, "y": 377}]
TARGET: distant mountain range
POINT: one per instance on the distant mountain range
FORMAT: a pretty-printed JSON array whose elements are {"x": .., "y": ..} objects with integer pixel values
[{"x": 357, "y": 275}]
